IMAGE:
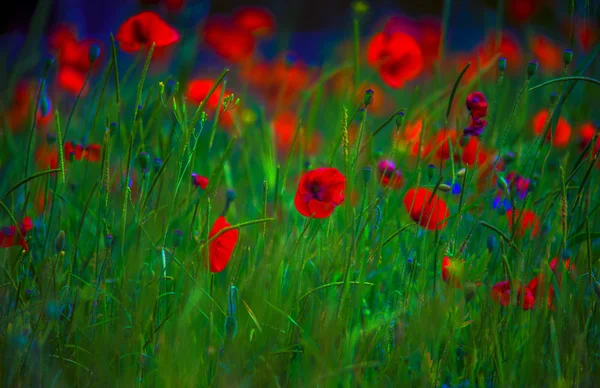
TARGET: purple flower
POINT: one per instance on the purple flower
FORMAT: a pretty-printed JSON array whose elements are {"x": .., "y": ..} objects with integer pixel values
[{"x": 476, "y": 127}]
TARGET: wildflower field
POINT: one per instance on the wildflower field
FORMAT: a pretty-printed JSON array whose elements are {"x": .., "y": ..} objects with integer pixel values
[{"x": 185, "y": 201}]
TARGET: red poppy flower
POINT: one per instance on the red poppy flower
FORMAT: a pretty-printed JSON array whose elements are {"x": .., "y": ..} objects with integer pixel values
[
  {"x": 284, "y": 128},
  {"x": 74, "y": 55},
  {"x": 562, "y": 132},
  {"x": 319, "y": 192},
  {"x": 61, "y": 35},
  {"x": 586, "y": 133},
  {"x": 174, "y": 5},
  {"x": 397, "y": 57},
  {"x": 221, "y": 248},
  {"x": 452, "y": 272},
  {"x": 71, "y": 80},
  {"x": 501, "y": 292},
  {"x": 477, "y": 105},
  {"x": 509, "y": 48},
  {"x": 526, "y": 298},
  {"x": 442, "y": 143},
  {"x": 586, "y": 33},
  {"x": 430, "y": 213},
  {"x": 18, "y": 113},
  {"x": 11, "y": 236},
  {"x": 474, "y": 153},
  {"x": 547, "y": 53},
  {"x": 522, "y": 10},
  {"x": 91, "y": 153},
  {"x": 227, "y": 39},
  {"x": 199, "y": 88},
  {"x": 46, "y": 157},
  {"x": 258, "y": 21},
  {"x": 199, "y": 181},
  {"x": 143, "y": 29},
  {"x": 528, "y": 220},
  {"x": 389, "y": 175}
]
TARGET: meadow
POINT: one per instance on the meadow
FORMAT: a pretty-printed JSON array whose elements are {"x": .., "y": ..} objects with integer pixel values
[{"x": 403, "y": 214}]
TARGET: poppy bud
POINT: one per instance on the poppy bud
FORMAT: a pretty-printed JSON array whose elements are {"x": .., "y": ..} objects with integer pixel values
[
  {"x": 491, "y": 243},
  {"x": 567, "y": 57},
  {"x": 444, "y": 188},
  {"x": 502, "y": 64},
  {"x": 113, "y": 125},
  {"x": 307, "y": 165},
  {"x": 368, "y": 98},
  {"x": 230, "y": 327},
  {"x": 399, "y": 119},
  {"x": 430, "y": 171},
  {"x": 157, "y": 164},
  {"x": 366, "y": 174},
  {"x": 170, "y": 87},
  {"x": 230, "y": 195},
  {"x": 532, "y": 68},
  {"x": 49, "y": 62},
  {"x": 94, "y": 53},
  {"x": 45, "y": 105},
  {"x": 144, "y": 161},
  {"x": 108, "y": 240},
  {"x": 566, "y": 253},
  {"x": 553, "y": 97},
  {"x": 378, "y": 153},
  {"x": 177, "y": 238},
  {"x": 59, "y": 242},
  {"x": 461, "y": 172}
]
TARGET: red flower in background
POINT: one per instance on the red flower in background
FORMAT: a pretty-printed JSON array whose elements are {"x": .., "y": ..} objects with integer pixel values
[
  {"x": 257, "y": 21},
  {"x": 509, "y": 48},
  {"x": 501, "y": 292},
  {"x": 397, "y": 57},
  {"x": 474, "y": 153},
  {"x": 143, "y": 29},
  {"x": 284, "y": 129},
  {"x": 452, "y": 272},
  {"x": 11, "y": 236},
  {"x": 197, "y": 91},
  {"x": 587, "y": 131},
  {"x": 199, "y": 181},
  {"x": 221, "y": 248},
  {"x": 527, "y": 220},
  {"x": 319, "y": 192},
  {"x": 228, "y": 40},
  {"x": 522, "y": 10},
  {"x": 442, "y": 142},
  {"x": 426, "y": 31},
  {"x": 562, "y": 132},
  {"x": 91, "y": 152},
  {"x": 547, "y": 53},
  {"x": 430, "y": 213},
  {"x": 46, "y": 157},
  {"x": 389, "y": 175}
]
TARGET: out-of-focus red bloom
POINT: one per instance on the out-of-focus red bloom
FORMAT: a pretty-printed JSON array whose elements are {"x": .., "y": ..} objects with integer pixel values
[
  {"x": 197, "y": 91},
  {"x": 430, "y": 213},
  {"x": 547, "y": 53},
  {"x": 319, "y": 192},
  {"x": 474, "y": 153},
  {"x": 587, "y": 34},
  {"x": 410, "y": 139},
  {"x": 284, "y": 129},
  {"x": 508, "y": 48},
  {"x": 46, "y": 157},
  {"x": 452, "y": 271},
  {"x": 174, "y": 5},
  {"x": 389, "y": 175},
  {"x": 71, "y": 80},
  {"x": 228, "y": 40},
  {"x": 143, "y": 29},
  {"x": 61, "y": 35},
  {"x": 477, "y": 105},
  {"x": 378, "y": 105},
  {"x": 526, "y": 298},
  {"x": 11, "y": 236},
  {"x": 426, "y": 31},
  {"x": 562, "y": 132},
  {"x": 442, "y": 142},
  {"x": 221, "y": 248},
  {"x": 587, "y": 131},
  {"x": 258, "y": 21},
  {"x": 527, "y": 220},
  {"x": 41, "y": 203},
  {"x": 397, "y": 57},
  {"x": 199, "y": 181},
  {"x": 501, "y": 292},
  {"x": 522, "y": 10},
  {"x": 91, "y": 152},
  {"x": 16, "y": 115}
]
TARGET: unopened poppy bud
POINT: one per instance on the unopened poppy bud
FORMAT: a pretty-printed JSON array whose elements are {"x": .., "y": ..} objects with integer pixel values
[
  {"x": 59, "y": 242},
  {"x": 553, "y": 97},
  {"x": 230, "y": 327},
  {"x": 230, "y": 195},
  {"x": 108, "y": 240},
  {"x": 94, "y": 53},
  {"x": 567, "y": 57},
  {"x": 307, "y": 165},
  {"x": 444, "y": 188},
  {"x": 368, "y": 98},
  {"x": 45, "y": 105},
  {"x": 113, "y": 125},
  {"x": 378, "y": 153},
  {"x": 461, "y": 172},
  {"x": 177, "y": 238},
  {"x": 566, "y": 253},
  {"x": 157, "y": 164},
  {"x": 144, "y": 161},
  {"x": 366, "y": 174},
  {"x": 532, "y": 68},
  {"x": 502, "y": 64},
  {"x": 430, "y": 171},
  {"x": 399, "y": 119},
  {"x": 491, "y": 243}
]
